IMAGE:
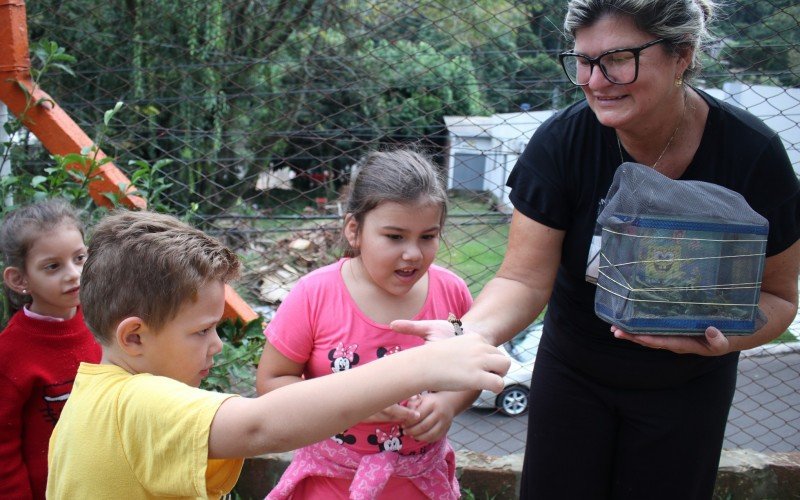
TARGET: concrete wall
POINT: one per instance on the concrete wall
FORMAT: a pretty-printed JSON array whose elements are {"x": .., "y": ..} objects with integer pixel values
[{"x": 743, "y": 474}]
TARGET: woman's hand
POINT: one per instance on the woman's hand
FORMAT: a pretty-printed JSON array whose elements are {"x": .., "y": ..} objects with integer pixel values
[
  {"x": 713, "y": 343},
  {"x": 428, "y": 329},
  {"x": 435, "y": 417}
]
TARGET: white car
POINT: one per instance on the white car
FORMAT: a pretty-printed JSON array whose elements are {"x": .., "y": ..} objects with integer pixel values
[{"x": 513, "y": 400}]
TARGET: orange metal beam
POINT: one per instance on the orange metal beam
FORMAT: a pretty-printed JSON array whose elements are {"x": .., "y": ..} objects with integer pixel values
[
  {"x": 58, "y": 132},
  {"x": 235, "y": 307}
]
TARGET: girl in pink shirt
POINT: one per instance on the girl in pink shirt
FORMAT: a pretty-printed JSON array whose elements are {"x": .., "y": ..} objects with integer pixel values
[{"x": 337, "y": 318}]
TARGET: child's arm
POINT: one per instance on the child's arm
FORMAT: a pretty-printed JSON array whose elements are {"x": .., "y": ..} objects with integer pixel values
[
  {"x": 276, "y": 370},
  {"x": 14, "y": 477},
  {"x": 301, "y": 414}
]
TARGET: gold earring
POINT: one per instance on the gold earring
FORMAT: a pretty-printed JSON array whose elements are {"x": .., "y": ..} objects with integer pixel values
[{"x": 679, "y": 81}]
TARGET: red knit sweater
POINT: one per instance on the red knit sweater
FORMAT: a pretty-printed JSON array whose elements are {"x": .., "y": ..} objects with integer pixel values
[{"x": 38, "y": 362}]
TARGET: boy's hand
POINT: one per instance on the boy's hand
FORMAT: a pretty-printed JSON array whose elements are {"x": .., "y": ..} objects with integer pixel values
[
  {"x": 435, "y": 417},
  {"x": 462, "y": 363},
  {"x": 394, "y": 413}
]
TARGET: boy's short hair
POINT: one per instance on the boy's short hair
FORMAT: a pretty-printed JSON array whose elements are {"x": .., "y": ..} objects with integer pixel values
[{"x": 147, "y": 265}]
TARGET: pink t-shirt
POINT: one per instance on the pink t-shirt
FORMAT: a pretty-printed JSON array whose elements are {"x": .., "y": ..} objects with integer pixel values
[{"x": 320, "y": 325}]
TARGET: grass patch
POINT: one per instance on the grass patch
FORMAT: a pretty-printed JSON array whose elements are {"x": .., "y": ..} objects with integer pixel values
[
  {"x": 474, "y": 251},
  {"x": 475, "y": 239}
]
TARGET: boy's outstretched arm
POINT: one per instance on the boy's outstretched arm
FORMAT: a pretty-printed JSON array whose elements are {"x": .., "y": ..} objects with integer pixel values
[
  {"x": 300, "y": 414},
  {"x": 276, "y": 370}
]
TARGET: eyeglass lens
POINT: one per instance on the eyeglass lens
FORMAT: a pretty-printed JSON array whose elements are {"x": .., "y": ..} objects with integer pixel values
[{"x": 618, "y": 67}]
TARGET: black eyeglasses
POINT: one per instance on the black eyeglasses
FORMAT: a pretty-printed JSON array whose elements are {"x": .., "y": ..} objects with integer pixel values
[{"x": 619, "y": 66}]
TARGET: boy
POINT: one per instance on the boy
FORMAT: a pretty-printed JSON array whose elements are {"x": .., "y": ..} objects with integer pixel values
[{"x": 137, "y": 426}]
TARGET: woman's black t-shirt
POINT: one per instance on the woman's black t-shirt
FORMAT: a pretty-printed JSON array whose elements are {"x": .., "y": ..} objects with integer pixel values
[{"x": 561, "y": 180}]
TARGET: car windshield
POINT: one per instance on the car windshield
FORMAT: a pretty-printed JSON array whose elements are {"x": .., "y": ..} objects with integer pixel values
[{"x": 524, "y": 345}]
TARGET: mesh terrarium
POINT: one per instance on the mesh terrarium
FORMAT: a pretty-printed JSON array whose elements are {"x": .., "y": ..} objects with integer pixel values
[{"x": 678, "y": 256}]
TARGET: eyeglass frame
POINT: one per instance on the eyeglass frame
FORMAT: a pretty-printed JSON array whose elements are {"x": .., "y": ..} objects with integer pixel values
[{"x": 595, "y": 61}]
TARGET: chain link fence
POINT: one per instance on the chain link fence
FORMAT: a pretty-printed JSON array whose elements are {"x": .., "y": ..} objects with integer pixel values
[{"x": 255, "y": 112}]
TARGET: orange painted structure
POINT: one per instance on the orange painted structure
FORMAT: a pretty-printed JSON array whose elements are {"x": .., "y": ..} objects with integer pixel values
[{"x": 58, "y": 132}]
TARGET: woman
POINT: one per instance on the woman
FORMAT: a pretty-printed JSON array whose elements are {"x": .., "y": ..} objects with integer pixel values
[{"x": 615, "y": 415}]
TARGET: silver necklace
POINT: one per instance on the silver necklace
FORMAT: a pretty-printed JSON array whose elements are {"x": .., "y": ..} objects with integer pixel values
[{"x": 663, "y": 151}]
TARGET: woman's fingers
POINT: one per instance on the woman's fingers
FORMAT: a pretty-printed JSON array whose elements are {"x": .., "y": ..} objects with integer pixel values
[{"x": 427, "y": 329}]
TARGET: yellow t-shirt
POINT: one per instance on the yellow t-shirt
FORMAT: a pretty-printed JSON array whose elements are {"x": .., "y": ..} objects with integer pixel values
[{"x": 136, "y": 437}]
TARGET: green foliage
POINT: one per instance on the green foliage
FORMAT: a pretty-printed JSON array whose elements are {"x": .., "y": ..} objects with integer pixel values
[
  {"x": 20, "y": 187},
  {"x": 535, "y": 78},
  {"x": 483, "y": 33},
  {"x": 420, "y": 85},
  {"x": 234, "y": 368},
  {"x": 69, "y": 175},
  {"x": 150, "y": 184},
  {"x": 228, "y": 91},
  {"x": 760, "y": 44},
  {"x": 47, "y": 57},
  {"x": 50, "y": 57}
]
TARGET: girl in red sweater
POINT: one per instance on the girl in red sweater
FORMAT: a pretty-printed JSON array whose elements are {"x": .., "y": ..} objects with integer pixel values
[{"x": 45, "y": 340}]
